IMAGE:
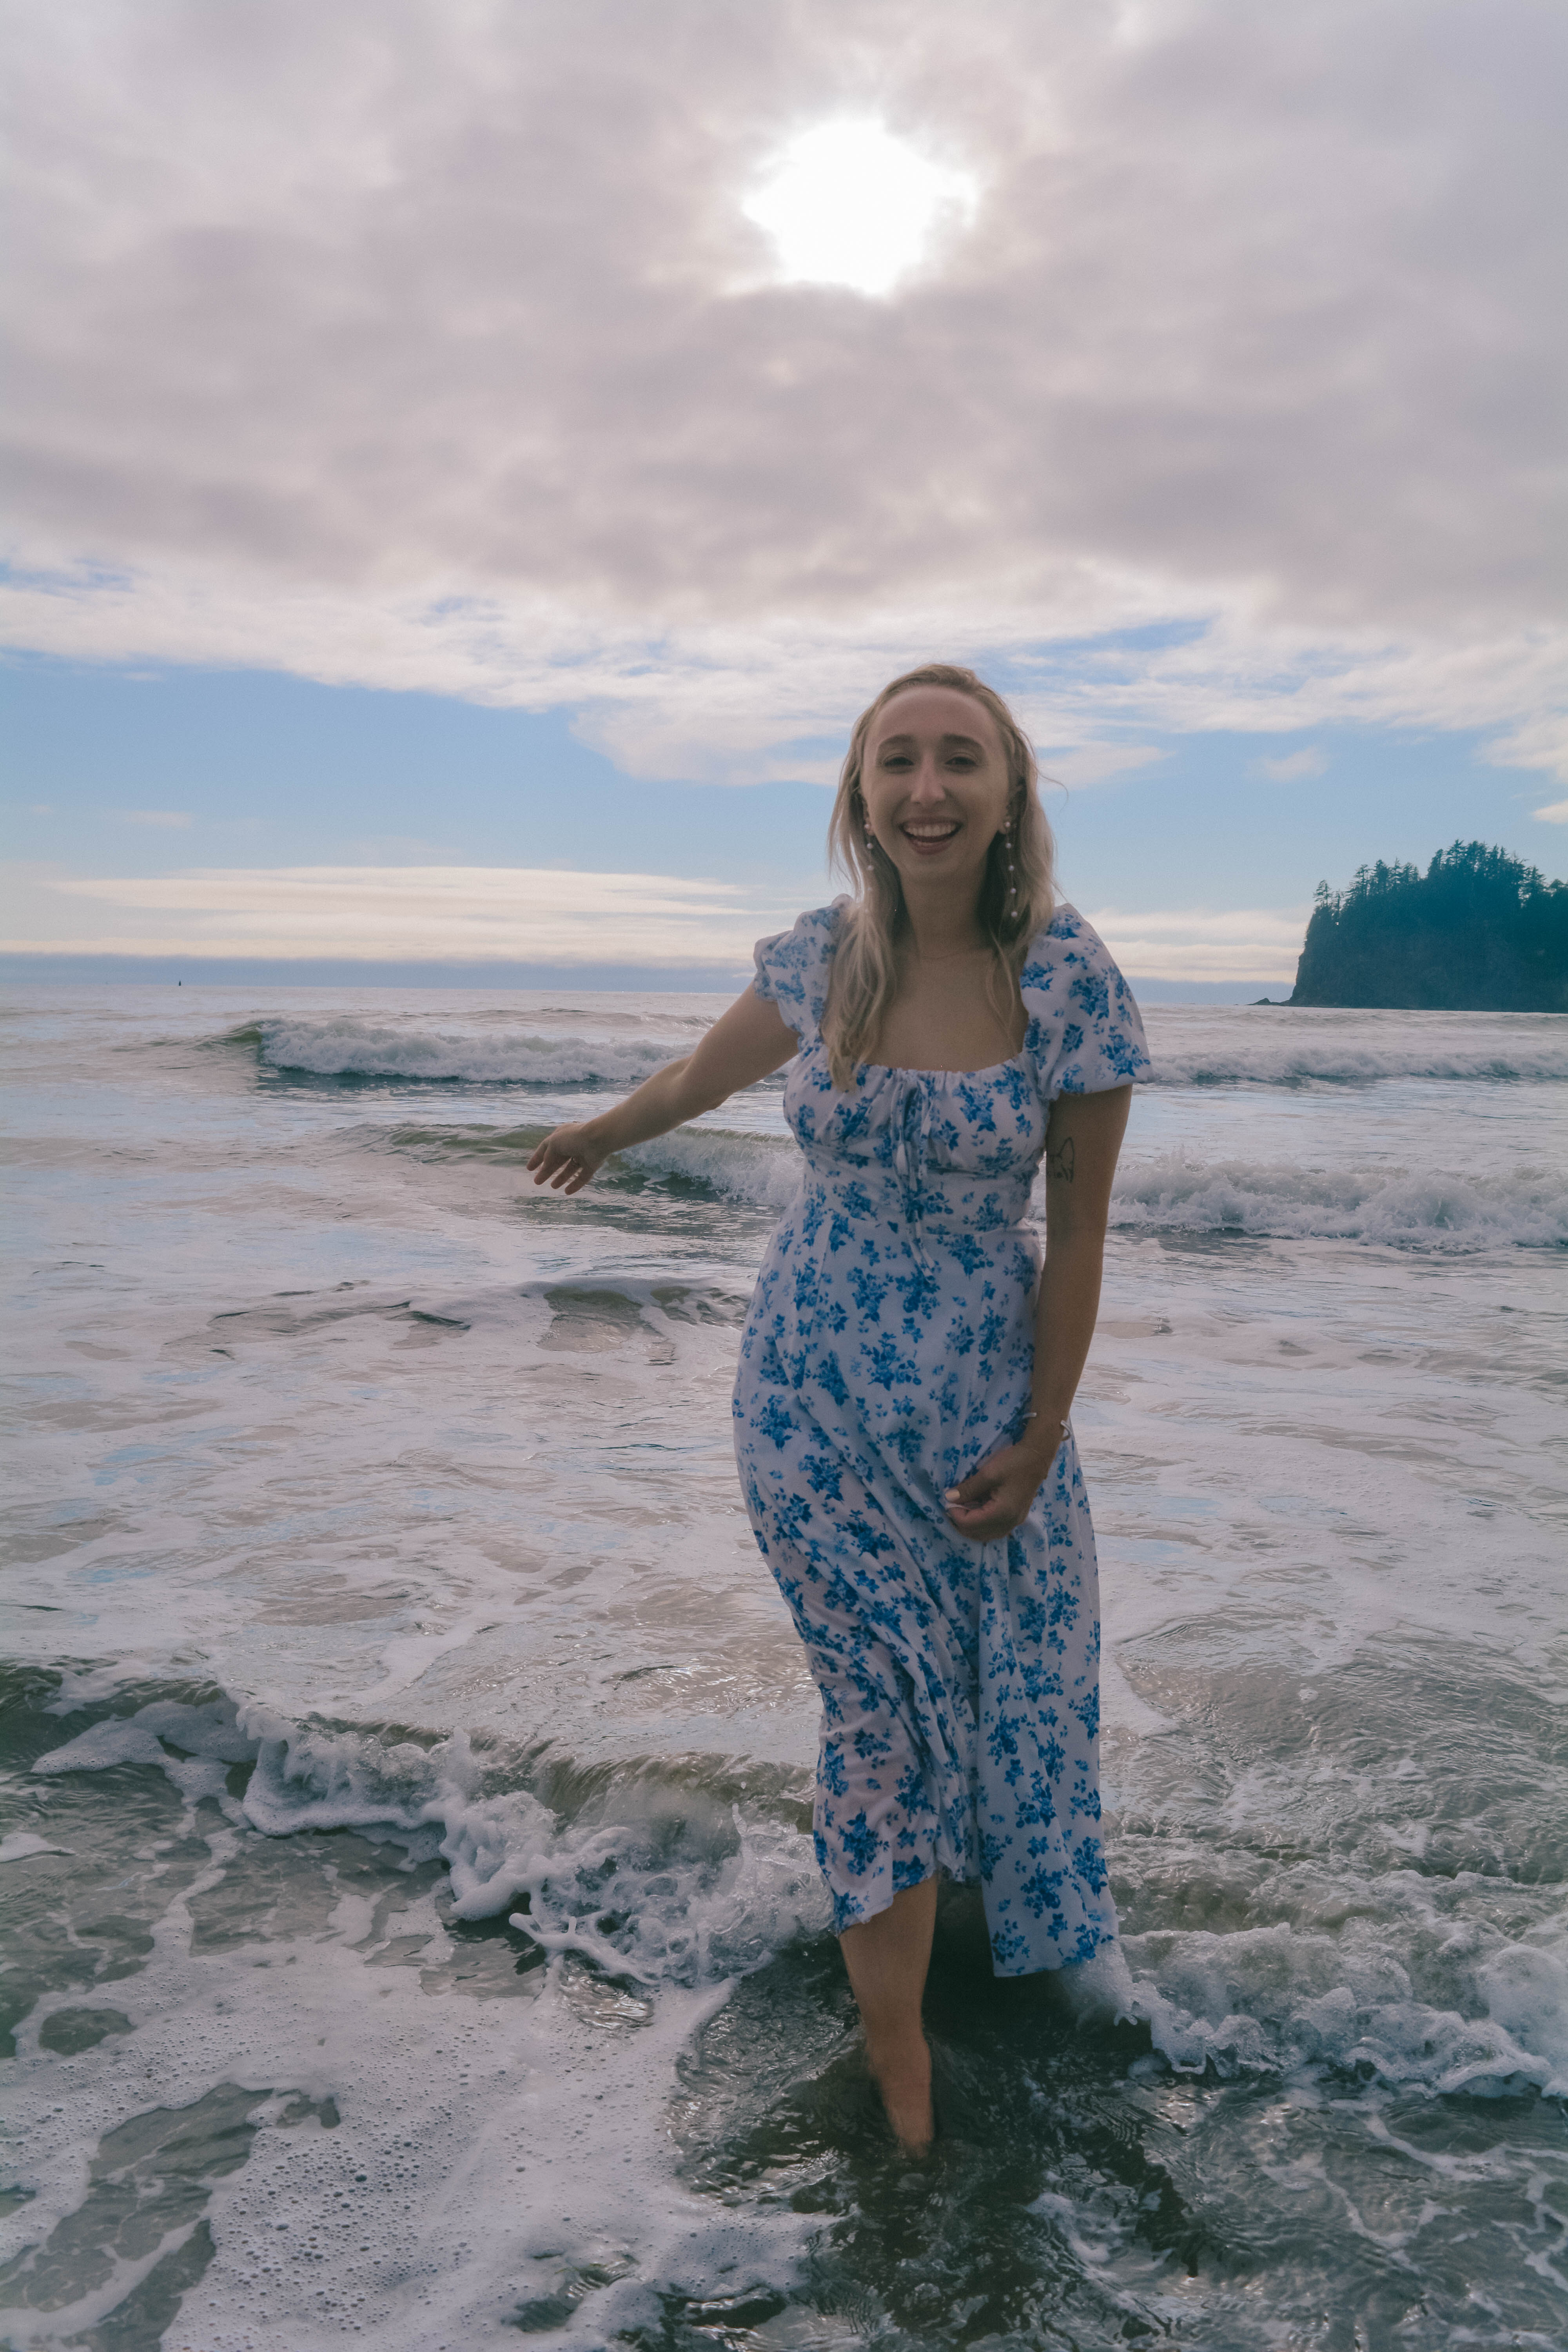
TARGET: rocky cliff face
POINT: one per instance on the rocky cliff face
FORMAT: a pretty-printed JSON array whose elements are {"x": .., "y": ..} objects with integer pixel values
[{"x": 1478, "y": 932}]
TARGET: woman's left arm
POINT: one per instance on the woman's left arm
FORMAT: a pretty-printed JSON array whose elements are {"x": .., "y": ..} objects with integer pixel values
[{"x": 1082, "y": 1141}]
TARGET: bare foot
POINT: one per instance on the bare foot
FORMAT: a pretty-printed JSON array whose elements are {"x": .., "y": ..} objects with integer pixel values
[{"x": 905, "y": 2085}]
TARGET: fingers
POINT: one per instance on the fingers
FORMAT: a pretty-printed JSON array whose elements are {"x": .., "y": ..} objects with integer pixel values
[
  {"x": 984, "y": 1517},
  {"x": 973, "y": 1506},
  {"x": 990, "y": 1503},
  {"x": 975, "y": 1493},
  {"x": 985, "y": 1526},
  {"x": 555, "y": 1162},
  {"x": 994, "y": 1498}
]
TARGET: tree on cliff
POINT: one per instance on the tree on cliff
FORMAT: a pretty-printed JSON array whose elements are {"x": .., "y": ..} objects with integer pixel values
[{"x": 1478, "y": 932}]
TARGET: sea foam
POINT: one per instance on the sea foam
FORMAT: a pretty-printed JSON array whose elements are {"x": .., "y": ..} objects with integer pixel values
[
  {"x": 655, "y": 1875},
  {"x": 1522, "y": 1208},
  {"x": 1525, "y": 1208},
  {"x": 1295, "y": 1054},
  {"x": 663, "y": 1879},
  {"x": 347, "y": 1048},
  {"x": 1287, "y": 1049}
]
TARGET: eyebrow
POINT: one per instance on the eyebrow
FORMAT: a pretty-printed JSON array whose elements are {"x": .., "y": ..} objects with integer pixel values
[{"x": 970, "y": 742}]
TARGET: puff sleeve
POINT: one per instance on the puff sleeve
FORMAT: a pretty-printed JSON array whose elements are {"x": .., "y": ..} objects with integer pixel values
[
  {"x": 1085, "y": 1033},
  {"x": 793, "y": 969}
]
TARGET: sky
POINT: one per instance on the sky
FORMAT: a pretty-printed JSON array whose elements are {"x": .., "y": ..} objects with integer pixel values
[{"x": 471, "y": 463}]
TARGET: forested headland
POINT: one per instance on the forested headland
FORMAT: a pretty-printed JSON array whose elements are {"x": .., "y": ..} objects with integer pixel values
[{"x": 1478, "y": 932}]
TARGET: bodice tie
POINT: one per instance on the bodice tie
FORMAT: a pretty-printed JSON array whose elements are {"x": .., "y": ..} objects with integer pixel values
[{"x": 910, "y": 1126}]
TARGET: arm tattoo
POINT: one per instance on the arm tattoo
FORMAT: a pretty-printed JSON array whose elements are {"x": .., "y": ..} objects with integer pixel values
[{"x": 1059, "y": 1164}]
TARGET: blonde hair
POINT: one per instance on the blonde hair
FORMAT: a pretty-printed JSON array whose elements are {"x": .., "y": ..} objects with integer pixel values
[{"x": 865, "y": 963}]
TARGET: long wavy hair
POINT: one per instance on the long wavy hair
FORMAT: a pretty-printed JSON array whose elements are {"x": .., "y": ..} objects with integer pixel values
[{"x": 866, "y": 963}]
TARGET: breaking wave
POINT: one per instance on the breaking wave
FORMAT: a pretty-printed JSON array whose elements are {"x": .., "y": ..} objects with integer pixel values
[
  {"x": 677, "y": 1872},
  {"x": 349, "y": 1049},
  {"x": 1525, "y": 1209},
  {"x": 1298, "y": 1055},
  {"x": 1288, "y": 1049}
]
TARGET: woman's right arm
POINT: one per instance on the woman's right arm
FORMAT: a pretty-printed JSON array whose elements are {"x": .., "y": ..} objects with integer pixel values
[{"x": 744, "y": 1045}]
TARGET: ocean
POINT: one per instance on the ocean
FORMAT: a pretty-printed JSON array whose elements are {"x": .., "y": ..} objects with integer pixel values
[{"x": 411, "y": 1927}]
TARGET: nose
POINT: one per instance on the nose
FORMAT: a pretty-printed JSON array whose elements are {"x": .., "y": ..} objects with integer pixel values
[{"x": 926, "y": 785}]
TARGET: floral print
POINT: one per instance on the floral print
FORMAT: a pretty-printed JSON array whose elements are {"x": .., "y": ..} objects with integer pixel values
[{"x": 887, "y": 1351}]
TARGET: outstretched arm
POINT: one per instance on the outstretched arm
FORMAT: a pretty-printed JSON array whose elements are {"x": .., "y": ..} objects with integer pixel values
[
  {"x": 744, "y": 1045},
  {"x": 1082, "y": 1145}
]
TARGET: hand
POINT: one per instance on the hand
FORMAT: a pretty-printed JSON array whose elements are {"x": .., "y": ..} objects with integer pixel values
[
  {"x": 995, "y": 1498},
  {"x": 567, "y": 1158}
]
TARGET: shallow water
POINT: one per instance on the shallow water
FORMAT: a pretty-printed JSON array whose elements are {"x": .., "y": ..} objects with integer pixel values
[{"x": 412, "y": 1926}]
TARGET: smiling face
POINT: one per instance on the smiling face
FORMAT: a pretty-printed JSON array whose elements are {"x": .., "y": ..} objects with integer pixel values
[{"x": 936, "y": 787}]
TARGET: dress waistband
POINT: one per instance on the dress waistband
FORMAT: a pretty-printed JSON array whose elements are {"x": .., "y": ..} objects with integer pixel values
[{"x": 952, "y": 1193}]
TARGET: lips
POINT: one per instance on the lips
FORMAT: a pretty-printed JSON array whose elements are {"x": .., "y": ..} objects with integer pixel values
[{"x": 932, "y": 835}]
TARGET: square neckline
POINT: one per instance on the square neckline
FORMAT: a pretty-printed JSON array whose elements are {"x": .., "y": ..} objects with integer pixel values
[
  {"x": 913, "y": 1070},
  {"x": 910, "y": 1070}
]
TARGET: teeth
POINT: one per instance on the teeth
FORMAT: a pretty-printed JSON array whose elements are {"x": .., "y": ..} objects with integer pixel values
[{"x": 931, "y": 832}]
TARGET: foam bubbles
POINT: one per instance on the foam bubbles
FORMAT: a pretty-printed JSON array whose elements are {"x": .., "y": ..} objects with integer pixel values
[
  {"x": 1192, "y": 1046},
  {"x": 660, "y": 1882},
  {"x": 329, "y": 1410},
  {"x": 661, "y": 1878},
  {"x": 1525, "y": 1988},
  {"x": 425, "y": 1055},
  {"x": 1299, "y": 1046},
  {"x": 1523, "y": 1208},
  {"x": 760, "y": 1170}
]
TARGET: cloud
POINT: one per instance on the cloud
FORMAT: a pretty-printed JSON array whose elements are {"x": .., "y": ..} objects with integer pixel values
[
  {"x": 727, "y": 703},
  {"x": 1554, "y": 813},
  {"x": 1255, "y": 943},
  {"x": 168, "y": 819},
  {"x": 1293, "y": 767},
  {"x": 475, "y": 914},
  {"x": 1076, "y": 764},
  {"x": 411, "y": 913},
  {"x": 431, "y": 346}
]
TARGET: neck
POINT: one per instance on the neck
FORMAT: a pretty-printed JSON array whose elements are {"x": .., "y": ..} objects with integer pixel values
[{"x": 939, "y": 928}]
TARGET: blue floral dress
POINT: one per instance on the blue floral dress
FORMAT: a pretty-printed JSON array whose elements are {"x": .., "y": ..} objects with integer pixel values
[{"x": 887, "y": 1352}]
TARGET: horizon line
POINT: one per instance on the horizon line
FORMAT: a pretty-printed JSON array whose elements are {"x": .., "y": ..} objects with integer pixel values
[{"x": 68, "y": 968}]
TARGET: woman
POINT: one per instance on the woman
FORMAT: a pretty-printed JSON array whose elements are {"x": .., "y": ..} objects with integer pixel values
[{"x": 906, "y": 1370}]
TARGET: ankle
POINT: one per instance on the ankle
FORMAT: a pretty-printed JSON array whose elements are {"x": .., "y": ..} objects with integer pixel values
[
  {"x": 904, "y": 2080},
  {"x": 900, "y": 2057}
]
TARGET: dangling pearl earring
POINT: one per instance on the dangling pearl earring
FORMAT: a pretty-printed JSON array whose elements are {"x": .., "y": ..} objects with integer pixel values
[{"x": 1008, "y": 843}]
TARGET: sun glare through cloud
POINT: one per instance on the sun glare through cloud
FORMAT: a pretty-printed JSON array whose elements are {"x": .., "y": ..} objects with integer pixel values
[{"x": 847, "y": 204}]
